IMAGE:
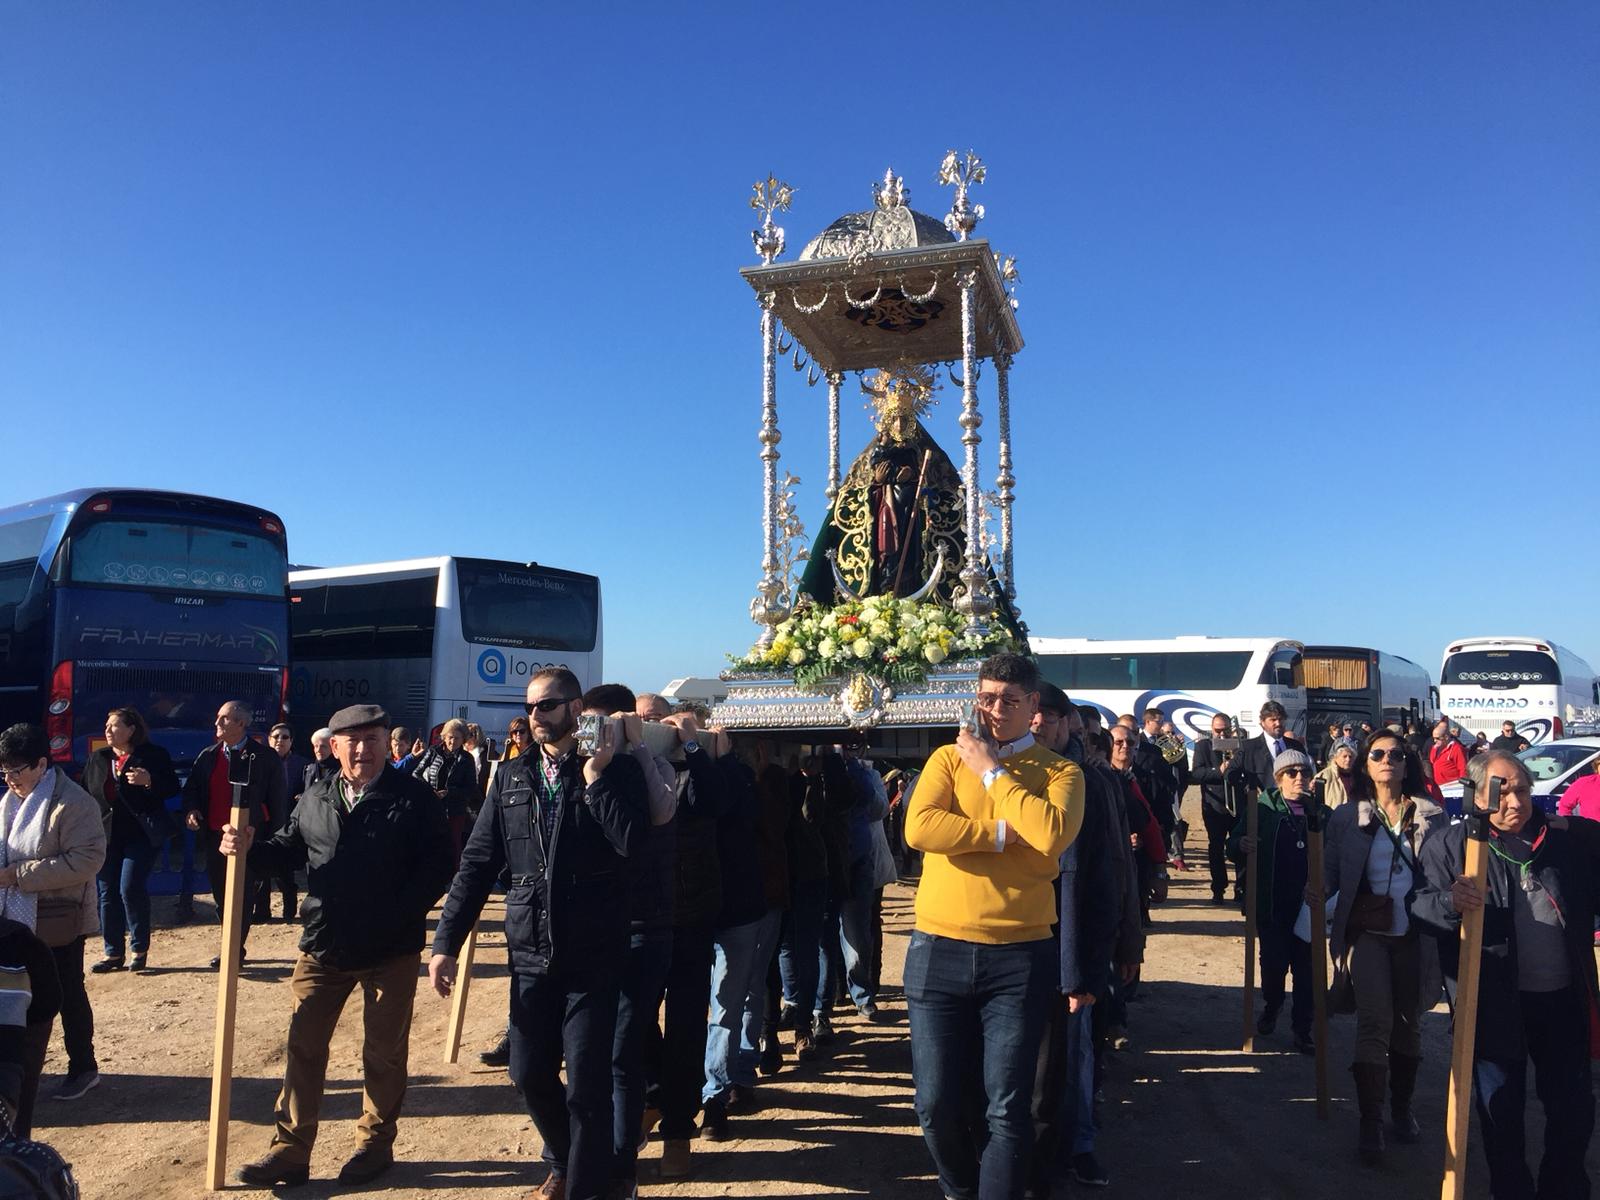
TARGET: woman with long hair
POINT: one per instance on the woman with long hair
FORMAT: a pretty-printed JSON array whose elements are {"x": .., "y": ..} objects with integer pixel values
[
  {"x": 1371, "y": 862},
  {"x": 132, "y": 779}
]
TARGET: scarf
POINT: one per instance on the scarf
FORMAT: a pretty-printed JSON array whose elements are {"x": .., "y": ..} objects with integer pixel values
[{"x": 22, "y": 828}]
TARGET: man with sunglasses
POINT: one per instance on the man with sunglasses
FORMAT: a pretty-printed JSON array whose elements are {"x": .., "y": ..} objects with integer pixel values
[
  {"x": 992, "y": 815},
  {"x": 563, "y": 826},
  {"x": 1281, "y": 872},
  {"x": 1537, "y": 987}
]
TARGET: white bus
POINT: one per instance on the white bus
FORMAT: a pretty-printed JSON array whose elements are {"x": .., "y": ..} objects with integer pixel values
[
  {"x": 1539, "y": 685},
  {"x": 435, "y": 638},
  {"x": 1191, "y": 679}
]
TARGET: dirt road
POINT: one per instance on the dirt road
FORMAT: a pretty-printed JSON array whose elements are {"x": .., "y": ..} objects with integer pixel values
[{"x": 1185, "y": 1112}]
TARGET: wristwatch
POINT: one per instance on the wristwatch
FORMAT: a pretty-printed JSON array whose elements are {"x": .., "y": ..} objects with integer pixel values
[
  {"x": 991, "y": 775},
  {"x": 690, "y": 745}
]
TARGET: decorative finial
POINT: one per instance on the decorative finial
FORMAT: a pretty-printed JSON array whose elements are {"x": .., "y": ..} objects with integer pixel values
[
  {"x": 892, "y": 192},
  {"x": 1009, "y": 275},
  {"x": 770, "y": 196},
  {"x": 964, "y": 215}
]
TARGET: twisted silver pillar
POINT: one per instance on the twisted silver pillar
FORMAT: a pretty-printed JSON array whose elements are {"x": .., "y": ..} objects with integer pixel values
[
  {"x": 973, "y": 601},
  {"x": 835, "y": 380},
  {"x": 1005, "y": 481},
  {"x": 771, "y": 606}
]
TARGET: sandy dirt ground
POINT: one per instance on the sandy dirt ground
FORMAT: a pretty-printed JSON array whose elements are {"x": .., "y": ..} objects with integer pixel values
[{"x": 1185, "y": 1112}]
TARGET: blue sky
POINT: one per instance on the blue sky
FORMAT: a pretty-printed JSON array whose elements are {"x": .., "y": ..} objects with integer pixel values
[{"x": 1311, "y": 292}]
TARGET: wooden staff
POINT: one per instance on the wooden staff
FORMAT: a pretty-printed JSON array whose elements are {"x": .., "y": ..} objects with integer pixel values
[
  {"x": 227, "y": 990},
  {"x": 1316, "y": 815},
  {"x": 1252, "y": 826},
  {"x": 1464, "y": 1042},
  {"x": 911, "y": 523},
  {"x": 458, "y": 998}
]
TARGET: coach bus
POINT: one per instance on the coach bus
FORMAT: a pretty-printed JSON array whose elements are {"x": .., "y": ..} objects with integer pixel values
[
  {"x": 166, "y": 602},
  {"x": 1533, "y": 682},
  {"x": 1190, "y": 679},
  {"x": 1357, "y": 683},
  {"x": 436, "y": 638}
]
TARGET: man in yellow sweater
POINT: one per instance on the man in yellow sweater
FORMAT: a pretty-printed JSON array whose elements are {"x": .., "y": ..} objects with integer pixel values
[{"x": 991, "y": 815}]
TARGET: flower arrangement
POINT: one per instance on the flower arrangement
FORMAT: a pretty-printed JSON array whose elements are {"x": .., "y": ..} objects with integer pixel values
[{"x": 895, "y": 639}]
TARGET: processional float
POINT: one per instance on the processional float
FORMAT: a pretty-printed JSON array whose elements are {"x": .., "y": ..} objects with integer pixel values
[{"x": 906, "y": 587}]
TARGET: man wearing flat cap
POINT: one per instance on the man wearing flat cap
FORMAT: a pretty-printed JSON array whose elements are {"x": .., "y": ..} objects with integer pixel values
[{"x": 377, "y": 851}]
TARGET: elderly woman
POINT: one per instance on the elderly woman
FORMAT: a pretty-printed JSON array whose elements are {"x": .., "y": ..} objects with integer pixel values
[
  {"x": 1338, "y": 777},
  {"x": 1281, "y": 872},
  {"x": 53, "y": 843},
  {"x": 1371, "y": 862},
  {"x": 450, "y": 770},
  {"x": 132, "y": 779}
]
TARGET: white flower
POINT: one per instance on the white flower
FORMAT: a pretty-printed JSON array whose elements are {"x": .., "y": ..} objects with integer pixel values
[
  {"x": 797, "y": 656},
  {"x": 827, "y": 648},
  {"x": 861, "y": 648},
  {"x": 879, "y": 629},
  {"x": 829, "y": 621},
  {"x": 869, "y": 614},
  {"x": 934, "y": 653}
]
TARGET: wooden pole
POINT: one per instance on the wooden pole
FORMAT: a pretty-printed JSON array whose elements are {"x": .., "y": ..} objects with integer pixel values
[
  {"x": 1464, "y": 1042},
  {"x": 1316, "y": 816},
  {"x": 458, "y": 998},
  {"x": 1252, "y": 826},
  {"x": 227, "y": 1003}
]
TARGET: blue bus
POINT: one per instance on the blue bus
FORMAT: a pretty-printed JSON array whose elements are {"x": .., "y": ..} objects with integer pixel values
[{"x": 167, "y": 602}]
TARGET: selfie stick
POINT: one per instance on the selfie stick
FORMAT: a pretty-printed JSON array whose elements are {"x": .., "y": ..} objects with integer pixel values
[
  {"x": 1459, "y": 1108},
  {"x": 458, "y": 998},
  {"x": 227, "y": 996},
  {"x": 1252, "y": 827},
  {"x": 1316, "y": 815}
]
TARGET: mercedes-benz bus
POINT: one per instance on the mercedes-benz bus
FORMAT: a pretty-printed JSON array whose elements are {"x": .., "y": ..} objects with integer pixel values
[
  {"x": 1357, "y": 683},
  {"x": 166, "y": 602},
  {"x": 436, "y": 638},
  {"x": 1190, "y": 679},
  {"x": 1538, "y": 685}
]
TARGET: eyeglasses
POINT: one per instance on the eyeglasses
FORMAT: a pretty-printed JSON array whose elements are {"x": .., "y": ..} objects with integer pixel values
[
  {"x": 1297, "y": 772},
  {"x": 548, "y": 705},
  {"x": 16, "y": 772},
  {"x": 998, "y": 700},
  {"x": 1378, "y": 754},
  {"x": 1122, "y": 741}
]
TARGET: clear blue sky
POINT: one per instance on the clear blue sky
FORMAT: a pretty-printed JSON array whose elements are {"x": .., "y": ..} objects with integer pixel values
[{"x": 1311, "y": 292}]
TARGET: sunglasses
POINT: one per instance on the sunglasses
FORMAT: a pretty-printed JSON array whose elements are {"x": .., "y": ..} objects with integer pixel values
[
  {"x": 1297, "y": 772},
  {"x": 1381, "y": 755},
  {"x": 548, "y": 705}
]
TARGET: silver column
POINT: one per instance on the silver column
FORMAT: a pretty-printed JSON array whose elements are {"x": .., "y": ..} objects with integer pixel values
[
  {"x": 1005, "y": 481},
  {"x": 974, "y": 601},
  {"x": 835, "y": 380},
  {"x": 770, "y": 607}
]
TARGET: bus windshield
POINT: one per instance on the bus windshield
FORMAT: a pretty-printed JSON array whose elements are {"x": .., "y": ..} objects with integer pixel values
[
  {"x": 528, "y": 607},
  {"x": 1501, "y": 668},
  {"x": 153, "y": 555},
  {"x": 1192, "y": 670}
]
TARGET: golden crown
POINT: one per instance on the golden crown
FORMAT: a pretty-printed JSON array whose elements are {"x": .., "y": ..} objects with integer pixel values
[{"x": 902, "y": 391}]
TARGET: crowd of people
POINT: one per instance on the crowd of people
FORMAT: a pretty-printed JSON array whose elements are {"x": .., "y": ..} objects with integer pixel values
[{"x": 677, "y": 906}]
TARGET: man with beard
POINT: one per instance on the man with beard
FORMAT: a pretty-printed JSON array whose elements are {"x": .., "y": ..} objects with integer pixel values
[
  {"x": 562, "y": 826},
  {"x": 1252, "y": 766}
]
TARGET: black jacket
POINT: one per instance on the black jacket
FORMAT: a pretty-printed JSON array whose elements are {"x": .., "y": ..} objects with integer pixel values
[
  {"x": 566, "y": 908},
  {"x": 1208, "y": 774},
  {"x": 1568, "y": 868},
  {"x": 744, "y": 897},
  {"x": 702, "y": 801},
  {"x": 808, "y": 853},
  {"x": 316, "y": 771},
  {"x": 1511, "y": 745},
  {"x": 1159, "y": 780},
  {"x": 1089, "y": 912},
  {"x": 146, "y": 806},
  {"x": 262, "y": 795},
  {"x": 1252, "y": 766},
  {"x": 372, "y": 874},
  {"x": 456, "y": 775}
]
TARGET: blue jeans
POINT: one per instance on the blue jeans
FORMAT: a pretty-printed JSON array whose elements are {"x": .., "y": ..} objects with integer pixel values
[
  {"x": 738, "y": 998},
  {"x": 556, "y": 1018},
  {"x": 798, "y": 960},
  {"x": 857, "y": 936},
  {"x": 124, "y": 883},
  {"x": 830, "y": 957},
  {"x": 978, "y": 1011},
  {"x": 1077, "y": 1106},
  {"x": 643, "y": 978},
  {"x": 1556, "y": 1031}
]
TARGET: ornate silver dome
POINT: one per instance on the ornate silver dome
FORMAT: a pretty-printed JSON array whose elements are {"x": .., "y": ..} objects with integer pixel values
[{"x": 890, "y": 225}]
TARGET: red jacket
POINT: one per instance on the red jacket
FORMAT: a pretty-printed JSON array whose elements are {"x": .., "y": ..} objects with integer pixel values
[{"x": 1449, "y": 761}]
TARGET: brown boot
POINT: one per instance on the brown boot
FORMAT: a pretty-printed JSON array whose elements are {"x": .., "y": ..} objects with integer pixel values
[
  {"x": 1370, "y": 1080},
  {"x": 1402, "y": 1085},
  {"x": 554, "y": 1187},
  {"x": 675, "y": 1158}
]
